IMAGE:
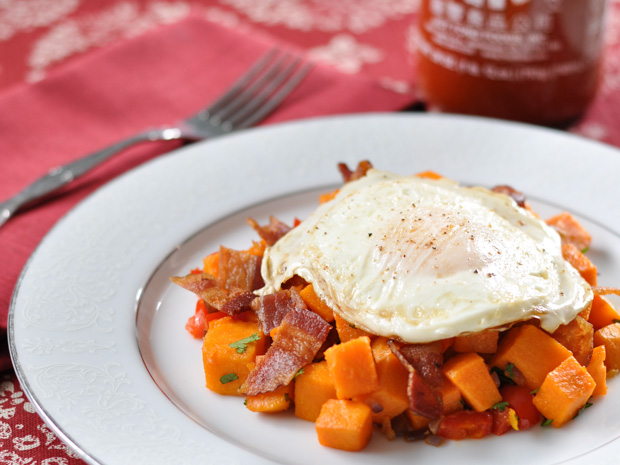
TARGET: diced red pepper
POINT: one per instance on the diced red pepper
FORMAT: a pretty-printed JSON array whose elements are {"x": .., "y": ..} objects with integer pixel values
[
  {"x": 466, "y": 424},
  {"x": 521, "y": 400},
  {"x": 501, "y": 421},
  {"x": 197, "y": 324},
  {"x": 215, "y": 316}
]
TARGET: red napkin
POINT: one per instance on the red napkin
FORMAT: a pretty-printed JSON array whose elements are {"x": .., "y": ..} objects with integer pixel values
[{"x": 154, "y": 79}]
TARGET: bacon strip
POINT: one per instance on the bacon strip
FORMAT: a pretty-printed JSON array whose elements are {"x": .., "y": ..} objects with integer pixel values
[
  {"x": 603, "y": 290},
  {"x": 206, "y": 286},
  {"x": 331, "y": 339},
  {"x": 424, "y": 363},
  {"x": 516, "y": 195},
  {"x": 197, "y": 283},
  {"x": 271, "y": 232},
  {"x": 427, "y": 359},
  {"x": 237, "y": 300},
  {"x": 239, "y": 269},
  {"x": 299, "y": 338},
  {"x": 361, "y": 170},
  {"x": 272, "y": 308}
]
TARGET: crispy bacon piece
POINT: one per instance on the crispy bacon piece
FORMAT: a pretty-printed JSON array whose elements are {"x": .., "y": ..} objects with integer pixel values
[
  {"x": 603, "y": 290},
  {"x": 423, "y": 399},
  {"x": 299, "y": 338},
  {"x": 331, "y": 339},
  {"x": 207, "y": 287},
  {"x": 516, "y": 195},
  {"x": 360, "y": 171},
  {"x": 272, "y": 232},
  {"x": 239, "y": 269},
  {"x": 198, "y": 283},
  {"x": 424, "y": 363},
  {"x": 272, "y": 308},
  {"x": 204, "y": 285},
  {"x": 295, "y": 281},
  {"x": 237, "y": 300},
  {"x": 427, "y": 359}
]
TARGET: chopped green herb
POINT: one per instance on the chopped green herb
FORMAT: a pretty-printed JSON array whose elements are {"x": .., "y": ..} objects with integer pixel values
[
  {"x": 547, "y": 422},
  {"x": 509, "y": 370},
  {"x": 245, "y": 401},
  {"x": 588, "y": 404},
  {"x": 534, "y": 391},
  {"x": 227, "y": 378},
  {"x": 585, "y": 250},
  {"x": 298, "y": 373},
  {"x": 501, "y": 406},
  {"x": 352, "y": 325},
  {"x": 287, "y": 397},
  {"x": 501, "y": 374},
  {"x": 615, "y": 320},
  {"x": 242, "y": 344}
]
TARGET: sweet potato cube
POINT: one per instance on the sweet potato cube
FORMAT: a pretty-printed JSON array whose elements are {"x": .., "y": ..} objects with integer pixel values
[
  {"x": 344, "y": 424},
  {"x": 347, "y": 331},
  {"x": 429, "y": 175},
  {"x": 585, "y": 313},
  {"x": 417, "y": 422},
  {"x": 469, "y": 373},
  {"x": 570, "y": 230},
  {"x": 532, "y": 351},
  {"x": 315, "y": 303},
  {"x": 451, "y": 398},
  {"x": 602, "y": 313},
  {"x": 390, "y": 398},
  {"x": 271, "y": 402},
  {"x": 576, "y": 336},
  {"x": 211, "y": 264},
  {"x": 609, "y": 336},
  {"x": 380, "y": 348},
  {"x": 313, "y": 387},
  {"x": 447, "y": 343},
  {"x": 326, "y": 197},
  {"x": 226, "y": 367},
  {"x": 597, "y": 370},
  {"x": 484, "y": 342},
  {"x": 565, "y": 390},
  {"x": 580, "y": 262},
  {"x": 352, "y": 367}
]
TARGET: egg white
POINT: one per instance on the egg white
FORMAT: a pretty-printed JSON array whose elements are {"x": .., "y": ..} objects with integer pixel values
[{"x": 423, "y": 260}]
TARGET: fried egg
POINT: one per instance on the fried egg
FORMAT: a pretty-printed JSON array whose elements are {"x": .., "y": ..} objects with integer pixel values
[{"x": 421, "y": 260}]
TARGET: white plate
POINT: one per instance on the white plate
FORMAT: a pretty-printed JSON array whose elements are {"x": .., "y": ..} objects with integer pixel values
[{"x": 94, "y": 307}]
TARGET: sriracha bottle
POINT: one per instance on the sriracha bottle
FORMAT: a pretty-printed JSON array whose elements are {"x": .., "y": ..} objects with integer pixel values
[{"x": 536, "y": 61}]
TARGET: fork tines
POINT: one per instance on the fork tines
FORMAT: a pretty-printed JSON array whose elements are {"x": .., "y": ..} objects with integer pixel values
[{"x": 259, "y": 91}]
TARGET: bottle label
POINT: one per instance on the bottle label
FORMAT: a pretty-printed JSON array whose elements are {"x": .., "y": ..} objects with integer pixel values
[{"x": 512, "y": 40}]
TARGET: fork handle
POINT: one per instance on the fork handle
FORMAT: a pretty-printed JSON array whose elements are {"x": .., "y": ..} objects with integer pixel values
[{"x": 62, "y": 175}]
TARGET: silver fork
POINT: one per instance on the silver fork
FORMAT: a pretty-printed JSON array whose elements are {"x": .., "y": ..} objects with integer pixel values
[{"x": 249, "y": 100}]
